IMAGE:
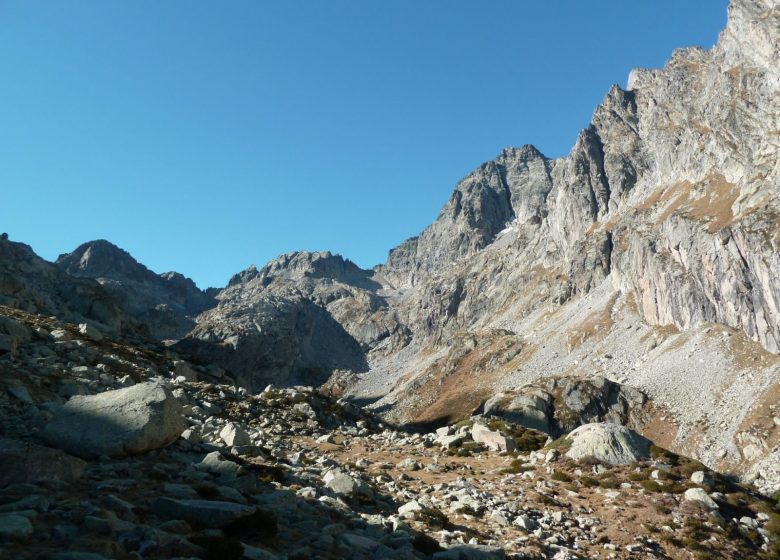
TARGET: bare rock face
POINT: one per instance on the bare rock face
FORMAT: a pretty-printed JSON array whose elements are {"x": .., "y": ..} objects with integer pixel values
[
  {"x": 284, "y": 341},
  {"x": 492, "y": 439},
  {"x": 668, "y": 199},
  {"x": 558, "y": 405},
  {"x": 513, "y": 187},
  {"x": 165, "y": 303},
  {"x": 297, "y": 320},
  {"x": 126, "y": 421},
  {"x": 607, "y": 443},
  {"x": 671, "y": 191}
]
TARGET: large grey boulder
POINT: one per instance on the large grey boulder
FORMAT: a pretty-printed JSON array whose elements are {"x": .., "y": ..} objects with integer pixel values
[
  {"x": 346, "y": 485},
  {"x": 15, "y": 528},
  {"x": 492, "y": 439},
  {"x": 608, "y": 443},
  {"x": 24, "y": 461},
  {"x": 234, "y": 435},
  {"x": 699, "y": 496},
  {"x": 116, "y": 423}
]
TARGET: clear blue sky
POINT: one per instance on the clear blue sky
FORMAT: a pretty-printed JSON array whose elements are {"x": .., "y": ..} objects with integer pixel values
[{"x": 203, "y": 137}]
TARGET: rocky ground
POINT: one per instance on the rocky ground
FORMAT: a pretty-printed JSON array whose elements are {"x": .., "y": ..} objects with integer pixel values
[{"x": 167, "y": 459}]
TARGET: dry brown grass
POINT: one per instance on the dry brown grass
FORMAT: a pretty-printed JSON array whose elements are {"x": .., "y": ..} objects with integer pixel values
[
  {"x": 452, "y": 395},
  {"x": 716, "y": 206},
  {"x": 674, "y": 198},
  {"x": 660, "y": 333},
  {"x": 745, "y": 354},
  {"x": 713, "y": 205}
]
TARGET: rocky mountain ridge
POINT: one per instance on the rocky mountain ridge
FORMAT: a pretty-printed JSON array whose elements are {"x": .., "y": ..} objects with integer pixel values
[{"x": 648, "y": 256}]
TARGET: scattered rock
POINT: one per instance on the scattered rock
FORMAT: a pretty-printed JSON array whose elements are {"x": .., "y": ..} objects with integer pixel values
[
  {"x": 90, "y": 332},
  {"x": 234, "y": 435},
  {"x": 30, "y": 462},
  {"x": 703, "y": 478},
  {"x": 701, "y": 497},
  {"x": 15, "y": 527},
  {"x": 346, "y": 485},
  {"x": 204, "y": 513}
]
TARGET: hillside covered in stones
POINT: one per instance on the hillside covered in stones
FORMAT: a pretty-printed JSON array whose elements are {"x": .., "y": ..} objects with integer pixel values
[{"x": 115, "y": 450}]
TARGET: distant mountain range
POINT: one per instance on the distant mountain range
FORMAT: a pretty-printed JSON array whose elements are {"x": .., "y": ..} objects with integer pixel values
[{"x": 650, "y": 255}]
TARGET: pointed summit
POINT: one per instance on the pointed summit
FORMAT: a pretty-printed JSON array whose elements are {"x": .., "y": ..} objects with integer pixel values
[{"x": 166, "y": 302}]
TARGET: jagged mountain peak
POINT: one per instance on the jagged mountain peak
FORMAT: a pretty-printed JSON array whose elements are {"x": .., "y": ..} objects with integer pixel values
[
  {"x": 29, "y": 282},
  {"x": 513, "y": 187},
  {"x": 165, "y": 301},
  {"x": 101, "y": 258},
  {"x": 298, "y": 265},
  {"x": 524, "y": 152}
]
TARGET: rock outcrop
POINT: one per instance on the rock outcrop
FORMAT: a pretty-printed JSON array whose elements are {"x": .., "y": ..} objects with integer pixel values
[
  {"x": 296, "y": 320},
  {"x": 557, "y": 406},
  {"x": 511, "y": 189}
]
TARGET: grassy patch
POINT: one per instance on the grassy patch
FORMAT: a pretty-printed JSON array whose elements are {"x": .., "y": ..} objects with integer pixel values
[
  {"x": 526, "y": 439},
  {"x": 664, "y": 455},
  {"x": 561, "y": 476},
  {"x": 562, "y": 444},
  {"x": 589, "y": 481},
  {"x": 516, "y": 467}
]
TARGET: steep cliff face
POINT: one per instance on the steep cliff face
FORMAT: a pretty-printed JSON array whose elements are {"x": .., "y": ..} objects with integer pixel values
[
  {"x": 671, "y": 191},
  {"x": 166, "y": 302},
  {"x": 656, "y": 245},
  {"x": 666, "y": 204}
]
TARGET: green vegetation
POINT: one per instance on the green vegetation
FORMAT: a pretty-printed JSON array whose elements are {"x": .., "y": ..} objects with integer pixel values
[
  {"x": 589, "y": 481},
  {"x": 561, "y": 476},
  {"x": 608, "y": 480},
  {"x": 661, "y": 454},
  {"x": 562, "y": 444},
  {"x": 526, "y": 439},
  {"x": 517, "y": 466}
]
